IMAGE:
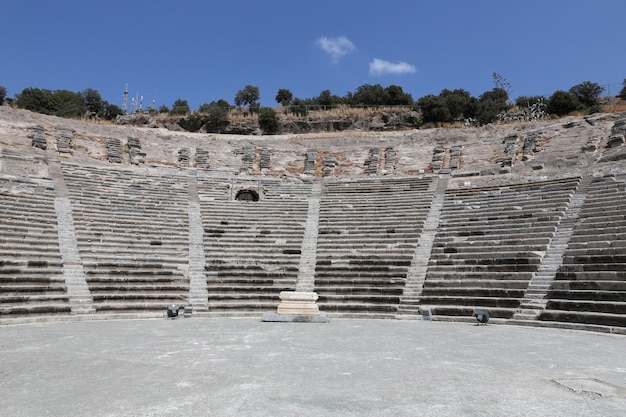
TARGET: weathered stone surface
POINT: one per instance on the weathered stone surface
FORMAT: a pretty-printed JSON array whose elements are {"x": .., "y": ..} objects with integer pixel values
[
  {"x": 39, "y": 137},
  {"x": 592, "y": 144},
  {"x": 64, "y": 140},
  {"x": 264, "y": 160},
  {"x": 247, "y": 155},
  {"x": 202, "y": 158},
  {"x": 390, "y": 160},
  {"x": 328, "y": 166},
  {"x": 619, "y": 127},
  {"x": 615, "y": 140},
  {"x": 134, "y": 151},
  {"x": 114, "y": 150},
  {"x": 183, "y": 157},
  {"x": 371, "y": 163},
  {"x": 309, "y": 161}
]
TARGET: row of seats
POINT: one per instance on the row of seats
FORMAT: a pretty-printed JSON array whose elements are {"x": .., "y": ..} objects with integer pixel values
[
  {"x": 31, "y": 269},
  {"x": 489, "y": 243},
  {"x": 133, "y": 234},
  {"x": 590, "y": 286},
  {"x": 367, "y": 235},
  {"x": 252, "y": 248}
]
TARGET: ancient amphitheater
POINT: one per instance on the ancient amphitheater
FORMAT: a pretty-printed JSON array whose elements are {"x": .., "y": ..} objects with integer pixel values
[{"x": 525, "y": 220}]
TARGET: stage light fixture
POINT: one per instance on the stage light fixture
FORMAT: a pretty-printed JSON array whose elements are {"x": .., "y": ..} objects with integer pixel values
[{"x": 172, "y": 310}]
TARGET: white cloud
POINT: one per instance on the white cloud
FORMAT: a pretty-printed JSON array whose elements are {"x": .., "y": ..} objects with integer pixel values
[
  {"x": 335, "y": 47},
  {"x": 380, "y": 67}
]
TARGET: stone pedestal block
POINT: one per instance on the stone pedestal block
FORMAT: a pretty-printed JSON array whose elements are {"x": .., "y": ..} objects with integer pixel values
[
  {"x": 297, "y": 306},
  {"x": 295, "y": 302}
]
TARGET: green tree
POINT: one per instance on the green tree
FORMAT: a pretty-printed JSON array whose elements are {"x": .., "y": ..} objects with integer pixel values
[
  {"x": 223, "y": 103},
  {"x": 284, "y": 97},
  {"x": 248, "y": 96},
  {"x": 204, "y": 108},
  {"x": 434, "y": 109},
  {"x": 93, "y": 102},
  {"x": 218, "y": 116},
  {"x": 587, "y": 93},
  {"x": 111, "y": 111},
  {"x": 180, "y": 107},
  {"x": 268, "y": 120},
  {"x": 490, "y": 104},
  {"x": 325, "y": 98},
  {"x": 37, "y": 100},
  {"x": 396, "y": 96},
  {"x": 458, "y": 102},
  {"x": 562, "y": 102},
  {"x": 369, "y": 95},
  {"x": 164, "y": 109},
  {"x": 69, "y": 104},
  {"x": 3, "y": 93}
]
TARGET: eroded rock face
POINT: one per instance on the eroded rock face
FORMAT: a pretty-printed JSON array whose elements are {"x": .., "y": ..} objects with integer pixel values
[
  {"x": 344, "y": 147},
  {"x": 377, "y": 121}
]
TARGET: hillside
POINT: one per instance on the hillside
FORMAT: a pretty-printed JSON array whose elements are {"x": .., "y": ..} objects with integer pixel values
[{"x": 489, "y": 154}]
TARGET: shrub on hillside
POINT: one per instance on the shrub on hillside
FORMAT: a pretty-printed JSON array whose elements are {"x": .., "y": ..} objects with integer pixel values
[
  {"x": 587, "y": 93},
  {"x": 268, "y": 120},
  {"x": 562, "y": 103},
  {"x": 180, "y": 107}
]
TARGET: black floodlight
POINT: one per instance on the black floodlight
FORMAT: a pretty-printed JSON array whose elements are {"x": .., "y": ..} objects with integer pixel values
[{"x": 172, "y": 310}]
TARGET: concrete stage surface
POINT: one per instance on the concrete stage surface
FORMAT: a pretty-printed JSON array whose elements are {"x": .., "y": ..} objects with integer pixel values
[{"x": 243, "y": 367}]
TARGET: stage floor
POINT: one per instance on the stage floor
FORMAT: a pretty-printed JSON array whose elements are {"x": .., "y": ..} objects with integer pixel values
[{"x": 244, "y": 367}]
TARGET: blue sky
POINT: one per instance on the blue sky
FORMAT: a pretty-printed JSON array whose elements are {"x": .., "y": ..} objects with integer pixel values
[{"x": 202, "y": 51}]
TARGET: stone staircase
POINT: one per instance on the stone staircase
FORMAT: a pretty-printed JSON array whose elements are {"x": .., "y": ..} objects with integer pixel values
[
  {"x": 80, "y": 299},
  {"x": 409, "y": 302},
  {"x": 308, "y": 256},
  {"x": 198, "y": 294},
  {"x": 535, "y": 298}
]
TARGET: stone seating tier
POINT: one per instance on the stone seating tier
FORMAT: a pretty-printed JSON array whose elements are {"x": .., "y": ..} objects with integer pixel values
[
  {"x": 31, "y": 274},
  {"x": 252, "y": 251},
  {"x": 582, "y": 317},
  {"x": 456, "y": 310},
  {"x": 601, "y": 275},
  {"x": 497, "y": 282},
  {"x": 470, "y": 247}
]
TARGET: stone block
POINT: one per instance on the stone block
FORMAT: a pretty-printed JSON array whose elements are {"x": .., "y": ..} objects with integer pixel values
[
  {"x": 39, "y": 137},
  {"x": 297, "y": 302},
  {"x": 615, "y": 141}
]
